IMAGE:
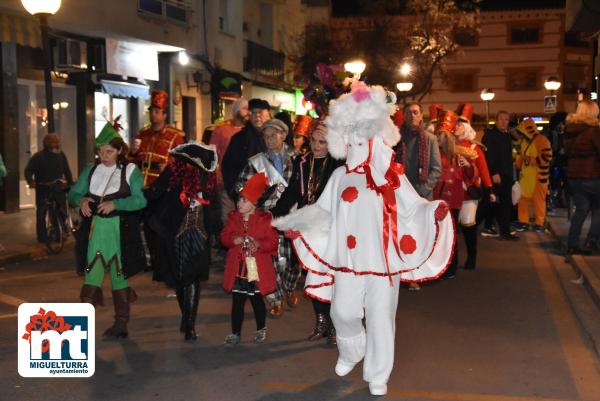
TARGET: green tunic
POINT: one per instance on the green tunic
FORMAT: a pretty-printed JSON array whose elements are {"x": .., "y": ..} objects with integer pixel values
[{"x": 104, "y": 247}]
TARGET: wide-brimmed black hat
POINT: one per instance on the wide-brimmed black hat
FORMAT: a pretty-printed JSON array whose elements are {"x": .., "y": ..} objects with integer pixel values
[
  {"x": 258, "y": 104},
  {"x": 199, "y": 155}
]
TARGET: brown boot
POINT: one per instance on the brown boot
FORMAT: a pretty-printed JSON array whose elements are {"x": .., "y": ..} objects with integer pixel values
[
  {"x": 331, "y": 338},
  {"x": 92, "y": 295},
  {"x": 121, "y": 299},
  {"x": 320, "y": 329},
  {"x": 291, "y": 298},
  {"x": 276, "y": 311}
]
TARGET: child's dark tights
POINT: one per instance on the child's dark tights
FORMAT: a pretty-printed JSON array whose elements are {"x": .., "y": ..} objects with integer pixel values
[{"x": 237, "y": 311}]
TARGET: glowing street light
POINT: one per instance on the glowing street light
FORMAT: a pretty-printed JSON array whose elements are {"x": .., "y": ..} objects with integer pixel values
[
  {"x": 487, "y": 95},
  {"x": 404, "y": 86},
  {"x": 552, "y": 84},
  {"x": 183, "y": 57},
  {"x": 355, "y": 67},
  {"x": 37, "y": 7},
  {"x": 405, "y": 69}
]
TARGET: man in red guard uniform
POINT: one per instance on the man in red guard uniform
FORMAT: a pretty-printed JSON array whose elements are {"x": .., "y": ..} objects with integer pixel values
[{"x": 150, "y": 150}]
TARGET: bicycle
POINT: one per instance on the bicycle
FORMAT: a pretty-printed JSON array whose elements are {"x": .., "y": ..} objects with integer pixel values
[{"x": 58, "y": 218}]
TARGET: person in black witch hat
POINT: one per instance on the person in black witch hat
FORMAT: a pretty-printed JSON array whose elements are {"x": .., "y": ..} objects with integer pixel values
[{"x": 177, "y": 201}]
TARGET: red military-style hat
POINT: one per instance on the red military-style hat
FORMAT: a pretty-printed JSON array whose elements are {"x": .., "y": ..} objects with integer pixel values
[
  {"x": 434, "y": 110},
  {"x": 303, "y": 125},
  {"x": 398, "y": 117},
  {"x": 255, "y": 187},
  {"x": 159, "y": 99},
  {"x": 447, "y": 121},
  {"x": 465, "y": 112}
]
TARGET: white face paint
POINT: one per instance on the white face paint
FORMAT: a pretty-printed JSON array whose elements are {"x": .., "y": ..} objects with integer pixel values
[{"x": 358, "y": 150}]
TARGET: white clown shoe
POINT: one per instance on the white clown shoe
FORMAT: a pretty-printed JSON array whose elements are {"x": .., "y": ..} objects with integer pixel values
[
  {"x": 343, "y": 368},
  {"x": 377, "y": 389}
]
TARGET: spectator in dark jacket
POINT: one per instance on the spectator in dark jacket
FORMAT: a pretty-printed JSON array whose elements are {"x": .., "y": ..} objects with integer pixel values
[
  {"x": 498, "y": 154},
  {"x": 45, "y": 168},
  {"x": 245, "y": 144},
  {"x": 582, "y": 147}
]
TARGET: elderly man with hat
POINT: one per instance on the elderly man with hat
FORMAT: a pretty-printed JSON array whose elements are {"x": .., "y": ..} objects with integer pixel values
[
  {"x": 276, "y": 162},
  {"x": 245, "y": 144},
  {"x": 43, "y": 169},
  {"x": 152, "y": 144},
  {"x": 221, "y": 137}
]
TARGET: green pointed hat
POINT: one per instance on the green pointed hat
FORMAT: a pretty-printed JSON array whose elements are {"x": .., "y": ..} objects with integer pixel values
[{"x": 107, "y": 134}]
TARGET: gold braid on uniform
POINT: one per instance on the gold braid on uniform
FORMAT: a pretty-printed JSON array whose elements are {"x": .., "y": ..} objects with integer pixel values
[{"x": 466, "y": 152}]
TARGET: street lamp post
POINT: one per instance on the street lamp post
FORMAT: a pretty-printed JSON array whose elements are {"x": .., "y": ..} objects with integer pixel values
[
  {"x": 42, "y": 9},
  {"x": 404, "y": 87},
  {"x": 487, "y": 95},
  {"x": 552, "y": 84},
  {"x": 355, "y": 67}
]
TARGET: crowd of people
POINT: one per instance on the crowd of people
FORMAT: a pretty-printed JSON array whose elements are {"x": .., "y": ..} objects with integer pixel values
[{"x": 181, "y": 201}]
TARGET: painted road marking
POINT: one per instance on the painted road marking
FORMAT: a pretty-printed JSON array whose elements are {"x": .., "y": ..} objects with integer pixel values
[
  {"x": 582, "y": 362},
  {"x": 418, "y": 394},
  {"x": 10, "y": 300}
]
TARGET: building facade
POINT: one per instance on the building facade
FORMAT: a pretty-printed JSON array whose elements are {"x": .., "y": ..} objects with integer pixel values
[
  {"x": 513, "y": 54},
  {"x": 106, "y": 58}
]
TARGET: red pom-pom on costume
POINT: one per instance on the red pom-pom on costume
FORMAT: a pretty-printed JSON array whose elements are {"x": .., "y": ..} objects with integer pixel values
[
  {"x": 441, "y": 212},
  {"x": 350, "y": 194},
  {"x": 408, "y": 244},
  {"x": 291, "y": 234},
  {"x": 398, "y": 118},
  {"x": 351, "y": 241}
]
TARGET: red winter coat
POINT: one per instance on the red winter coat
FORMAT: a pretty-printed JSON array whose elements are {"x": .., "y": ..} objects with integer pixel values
[
  {"x": 259, "y": 228},
  {"x": 482, "y": 173},
  {"x": 450, "y": 186}
]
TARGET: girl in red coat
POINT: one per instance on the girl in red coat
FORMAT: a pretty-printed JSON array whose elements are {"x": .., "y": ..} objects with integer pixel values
[
  {"x": 457, "y": 174},
  {"x": 473, "y": 151},
  {"x": 249, "y": 270}
]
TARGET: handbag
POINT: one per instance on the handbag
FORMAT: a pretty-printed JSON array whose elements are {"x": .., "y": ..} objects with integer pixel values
[{"x": 475, "y": 192}]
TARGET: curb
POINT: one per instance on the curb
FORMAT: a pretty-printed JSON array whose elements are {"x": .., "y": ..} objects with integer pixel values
[
  {"x": 590, "y": 281},
  {"x": 34, "y": 252}
]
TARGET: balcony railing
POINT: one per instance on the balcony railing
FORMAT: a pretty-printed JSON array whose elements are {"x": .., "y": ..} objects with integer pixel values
[
  {"x": 263, "y": 60},
  {"x": 174, "y": 10}
]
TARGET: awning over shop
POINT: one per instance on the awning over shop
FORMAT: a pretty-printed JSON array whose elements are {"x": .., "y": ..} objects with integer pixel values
[
  {"x": 276, "y": 98},
  {"x": 126, "y": 89},
  {"x": 24, "y": 31}
]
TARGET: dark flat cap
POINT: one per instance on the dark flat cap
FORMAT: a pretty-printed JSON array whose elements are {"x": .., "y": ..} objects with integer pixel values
[
  {"x": 277, "y": 124},
  {"x": 258, "y": 104}
]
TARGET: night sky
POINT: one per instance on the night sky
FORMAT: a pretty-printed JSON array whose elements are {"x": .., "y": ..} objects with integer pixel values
[{"x": 343, "y": 8}]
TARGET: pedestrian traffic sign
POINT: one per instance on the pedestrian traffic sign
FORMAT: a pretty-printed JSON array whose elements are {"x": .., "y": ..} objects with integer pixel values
[{"x": 550, "y": 104}]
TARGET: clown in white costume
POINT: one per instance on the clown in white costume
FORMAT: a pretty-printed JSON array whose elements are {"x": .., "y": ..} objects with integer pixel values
[{"x": 368, "y": 230}]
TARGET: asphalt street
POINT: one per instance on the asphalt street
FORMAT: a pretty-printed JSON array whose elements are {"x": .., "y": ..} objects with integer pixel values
[{"x": 519, "y": 328}]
